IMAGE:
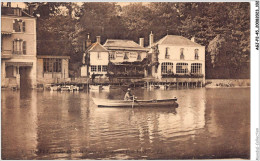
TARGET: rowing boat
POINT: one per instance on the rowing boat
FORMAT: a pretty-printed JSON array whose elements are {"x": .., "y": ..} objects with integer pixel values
[{"x": 136, "y": 103}]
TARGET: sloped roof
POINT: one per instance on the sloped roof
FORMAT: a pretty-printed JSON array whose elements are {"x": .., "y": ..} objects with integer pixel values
[
  {"x": 176, "y": 40},
  {"x": 9, "y": 11},
  {"x": 122, "y": 45},
  {"x": 96, "y": 47},
  {"x": 26, "y": 14}
]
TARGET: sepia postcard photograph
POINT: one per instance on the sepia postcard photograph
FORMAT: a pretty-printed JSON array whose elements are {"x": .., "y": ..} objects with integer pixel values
[{"x": 129, "y": 80}]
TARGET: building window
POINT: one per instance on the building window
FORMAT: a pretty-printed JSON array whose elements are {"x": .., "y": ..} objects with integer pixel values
[
  {"x": 24, "y": 47},
  {"x": 139, "y": 56},
  {"x": 99, "y": 55},
  {"x": 104, "y": 68},
  {"x": 196, "y": 54},
  {"x": 182, "y": 68},
  {"x": 99, "y": 68},
  {"x": 19, "y": 46},
  {"x": 133, "y": 55},
  {"x": 156, "y": 70},
  {"x": 51, "y": 65},
  {"x": 93, "y": 68},
  {"x": 196, "y": 68},
  {"x": 119, "y": 54},
  {"x": 18, "y": 25},
  {"x": 167, "y": 68},
  {"x": 9, "y": 70},
  {"x": 56, "y": 65},
  {"x": 46, "y": 65},
  {"x": 126, "y": 56},
  {"x": 167, "y": 56},
  {"x": 182, "y": 54},
  {"x": 112, "y": 56}
]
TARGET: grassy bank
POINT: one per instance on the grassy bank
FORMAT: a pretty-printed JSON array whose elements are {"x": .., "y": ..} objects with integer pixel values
[{"x": 227, "y": 83}]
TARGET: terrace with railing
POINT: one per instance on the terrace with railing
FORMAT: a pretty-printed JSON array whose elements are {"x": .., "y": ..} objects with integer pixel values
[
  {"x": 172, "y": 75},
  {"x": 6, "y": 54},
  {"x": 128, "y": 74}
]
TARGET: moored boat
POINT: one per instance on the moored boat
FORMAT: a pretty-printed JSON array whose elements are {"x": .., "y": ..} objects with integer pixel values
[
  {"x": 94, "y": 87},
  {"x": 154, "y": 86},
  {"x": 106, "y": 88},
  {"x": 55, "y": 88},
  {"x": 172, "y": 86},
  {"x": 65, "y": 88},
  {"x": 162, "y": 86},
  {"x": 136, "y": 103}
]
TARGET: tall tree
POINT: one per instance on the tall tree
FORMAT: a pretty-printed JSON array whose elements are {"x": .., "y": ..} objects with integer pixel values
[
  {"x": 97, "y": 18},
  {"x": 137, "y": 18},
  {"x": 56, "y": 34}
]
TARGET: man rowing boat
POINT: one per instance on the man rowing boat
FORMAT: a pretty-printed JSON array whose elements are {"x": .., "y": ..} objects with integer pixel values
[{"x": 128, "y": 95}]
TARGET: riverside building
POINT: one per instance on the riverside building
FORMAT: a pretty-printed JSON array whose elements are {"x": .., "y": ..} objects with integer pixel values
[
  {"x": 177, "y": 59},
  {"x": 18, "y": 48}
]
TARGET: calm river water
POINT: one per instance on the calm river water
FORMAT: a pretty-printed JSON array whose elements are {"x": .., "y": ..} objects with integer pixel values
[{"x": 209, "y": 123}]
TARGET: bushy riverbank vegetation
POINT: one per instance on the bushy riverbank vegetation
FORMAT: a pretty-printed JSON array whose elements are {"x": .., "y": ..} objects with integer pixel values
[{"x": 227, "y": 83}]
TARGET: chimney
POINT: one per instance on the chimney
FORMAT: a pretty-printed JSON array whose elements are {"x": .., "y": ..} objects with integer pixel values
[
  {"x": 141, "y": 42},
  {"x": 151, "y": 39},
  {"x": 98, "y": 39},
  {"x": 88, "y": 41},
  {"x": 193, "y": 39},
  {"x": 8, "y": 4},
  {"x": 31, "y": 8}
]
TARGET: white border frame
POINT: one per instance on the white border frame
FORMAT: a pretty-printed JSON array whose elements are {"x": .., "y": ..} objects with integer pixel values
[{"x": 254, "y": 63}]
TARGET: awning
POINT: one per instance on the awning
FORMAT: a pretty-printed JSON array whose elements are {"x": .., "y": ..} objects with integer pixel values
[
  {"x": 136, "y": 63},
  {"x": 20, "y": 64}
]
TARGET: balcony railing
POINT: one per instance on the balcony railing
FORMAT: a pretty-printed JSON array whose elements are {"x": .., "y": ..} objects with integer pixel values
[
  {"x": 172, "y": 75},
  {"x": 6, "y": 54},
  {"x": 126, "y": 75},
  {"x": 18, "y": 52}
]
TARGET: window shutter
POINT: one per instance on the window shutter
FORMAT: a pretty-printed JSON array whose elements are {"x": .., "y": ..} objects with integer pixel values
[
  {"x": 13, "y": 25},
  {"x": 126, "y": 56},
  {"x": 23, "y": 26},
  {"x": 13, "y": 47},
  {"x": 24, "y": 47},
  {"x": 139, "y": 56}
]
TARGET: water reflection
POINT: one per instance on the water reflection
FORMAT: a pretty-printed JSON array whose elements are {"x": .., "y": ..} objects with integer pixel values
[
  {"x": 64, "y": 125},
  {"x": 19, "y": 128}
]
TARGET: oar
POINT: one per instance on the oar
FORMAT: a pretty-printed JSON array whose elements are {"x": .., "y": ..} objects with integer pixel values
[{"x": 133, "y": 101}]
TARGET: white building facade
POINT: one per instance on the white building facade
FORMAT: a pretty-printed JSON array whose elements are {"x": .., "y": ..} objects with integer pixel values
[
  {"x": 95, "y": 61},
  {"x": 126, "y": 58},
  {"x": 178, "y": 57}
]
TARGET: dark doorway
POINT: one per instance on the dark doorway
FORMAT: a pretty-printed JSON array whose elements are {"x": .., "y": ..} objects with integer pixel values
[
  {"x": 149, "y": 71},
  {"x": 25, "y": 80}
]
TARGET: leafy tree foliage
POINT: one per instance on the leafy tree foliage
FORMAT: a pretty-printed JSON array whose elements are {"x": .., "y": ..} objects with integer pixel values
[{"x": 63, "y": 27}]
